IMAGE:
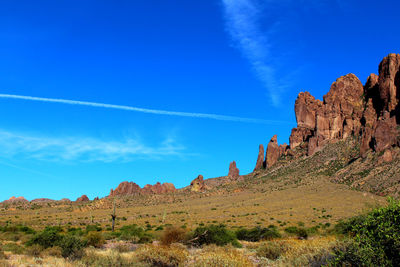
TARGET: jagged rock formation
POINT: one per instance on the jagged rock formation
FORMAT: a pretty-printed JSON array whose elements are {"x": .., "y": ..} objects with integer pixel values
[
  {"x": 197, "y": 185},
  {"x": 83, "y": 198},
  {"x": 260, "y": 158},
  {"x": 131, "y": 188},
  {"x": 272, "y": 152},
  {"x": 159, "y": 188},
  {"x": 233, "y": 171},
  {"x": 370, "y": 112}
]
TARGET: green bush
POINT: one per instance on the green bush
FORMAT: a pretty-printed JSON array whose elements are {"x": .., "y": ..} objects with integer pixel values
[
  {"x": 214, "y": 234},
  {"x": 49, "y": 237},
  {"x": 71, "y": 247},
  {"x": 375, "y": 238},
  {"x": 134, "y": 233},
  {"x": 257, "y": 234}
]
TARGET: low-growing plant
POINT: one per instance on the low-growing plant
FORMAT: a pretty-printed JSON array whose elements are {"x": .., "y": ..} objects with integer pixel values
[{"x": 134, "y": 233}]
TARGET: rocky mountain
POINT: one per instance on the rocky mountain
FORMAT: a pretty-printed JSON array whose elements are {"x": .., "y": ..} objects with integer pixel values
[{"x": 370, "y": 112}]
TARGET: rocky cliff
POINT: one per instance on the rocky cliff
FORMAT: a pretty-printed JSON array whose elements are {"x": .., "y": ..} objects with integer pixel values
[{"x": 370, "y": 112}]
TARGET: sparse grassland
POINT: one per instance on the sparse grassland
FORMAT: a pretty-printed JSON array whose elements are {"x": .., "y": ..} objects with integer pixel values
[{"x": 290, "y": 215}]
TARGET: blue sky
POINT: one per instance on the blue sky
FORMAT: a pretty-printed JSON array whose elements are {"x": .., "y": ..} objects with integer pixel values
[{"x": 239, "y": 58}]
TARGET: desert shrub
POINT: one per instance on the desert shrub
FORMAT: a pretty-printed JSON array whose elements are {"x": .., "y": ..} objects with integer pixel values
[
  {"x": 95, "y": 239},
  {"x": 300, "y": 232},
  {"x": 257, "y": 234},
  {"x": 34, "y": 250},
  {"x": 214, "y": 256},
  {"x": 49, "y": 237},
  {"x": 112, "y": 259},
  {"x": 214, "y": 234},
  {"x": 375, "y": 239},
  {"x": 346, "y": 226},
  {"x": 271, "y": 250},
  {"x": 14, "y": 248},
  {"x": 172, "y": 235},
  {"x": 134, "y": 233},
  {"x": 52, "y": 252},
  {"x": 71, "y": 247},
  {"x": 162, "y": 256}
]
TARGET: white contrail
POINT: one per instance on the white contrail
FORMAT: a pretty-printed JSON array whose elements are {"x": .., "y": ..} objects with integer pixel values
[{"x": 143, "y": 110}]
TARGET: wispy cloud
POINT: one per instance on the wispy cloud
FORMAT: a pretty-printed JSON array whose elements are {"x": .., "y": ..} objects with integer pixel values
[
  {"x": 243, "y": 24},
  {"x": 75, "y": 149},
  {"x": 142, "y": 110}
]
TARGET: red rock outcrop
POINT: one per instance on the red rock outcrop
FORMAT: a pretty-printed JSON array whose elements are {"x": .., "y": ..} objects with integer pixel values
[
  {"x": 159, "y": 188},
  {"x": 131, "y": 188},
  {"x": 260, "y": 158},
  {"x": 83, "y": 198},
  {"x": 233, "y": 171},
  {"x": 371, "y": 112},
  {"x": 198, "y": 185},
  {"x": 272, "y": 152},
  {"x": 125, "y": 188}
]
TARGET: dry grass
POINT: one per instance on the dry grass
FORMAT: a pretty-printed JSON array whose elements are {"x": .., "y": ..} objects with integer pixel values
[{"x": 214, "y": 256}]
